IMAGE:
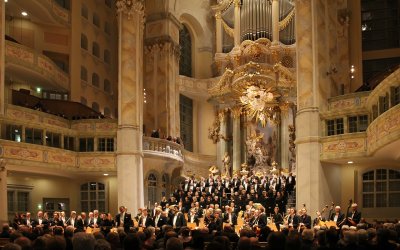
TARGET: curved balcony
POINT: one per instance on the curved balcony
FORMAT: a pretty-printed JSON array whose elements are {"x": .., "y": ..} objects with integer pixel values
[
  {"x": 345, "y": 104},
  {"x": 160, "y": 148},
  {"x": 30, "y": 66},
  {"x": 45, "y": 11},
  {"x": 342, "y": 147},
  {"x": 384, "y": 133},
  {"x": 196, "y": 87}
]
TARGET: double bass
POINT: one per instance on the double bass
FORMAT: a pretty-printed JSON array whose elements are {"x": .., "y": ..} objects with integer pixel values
[{"x": 347, "y": 212}]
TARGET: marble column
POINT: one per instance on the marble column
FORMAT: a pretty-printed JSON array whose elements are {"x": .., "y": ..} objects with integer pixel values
[
  {"x": 284, "y": 145},
  {"x": 236, "y": 111},
  {"x": 2, "y": 60},
  {"x": 3, "y": 192},
  {"x": 222, "y": 146},
  {"x": 275, "y": 21},
  {"x": 309, "y": 186},
  {"x": 236, "y": 34},
  {"x": 218, "y": 32},
  {"x": 130, "y": 105}
]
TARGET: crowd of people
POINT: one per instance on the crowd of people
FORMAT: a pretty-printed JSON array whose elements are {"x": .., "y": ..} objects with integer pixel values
[
  {"x": 156, "y": 133},
  {"x": 247, "y": 212}
]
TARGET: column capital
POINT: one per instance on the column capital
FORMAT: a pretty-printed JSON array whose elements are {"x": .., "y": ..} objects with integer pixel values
[
  {"x": 218, "y": 15},
  {"x": 236, "y": 112},
  {"x": 237, "y": 3},
  {"x": 131, "y": 8}
]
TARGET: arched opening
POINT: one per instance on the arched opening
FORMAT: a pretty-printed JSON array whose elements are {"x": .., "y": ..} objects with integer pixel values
[
  {"x": 96, "y": 20},
  {"x": 95, "y": 80},
  {"x": 185, "y": 61},
  {"x": 152, "y": 188},
  {"x": 84, "y": 42},
  {"x": 96, "y": 49}
]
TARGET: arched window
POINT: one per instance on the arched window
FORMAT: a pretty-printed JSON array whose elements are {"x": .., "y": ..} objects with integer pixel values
[
  {"x": 185, "y": 61},
  {"x": 84, "y": 11},
  {"x": 83, "y": 74},
  {"x": 152, "y": 188},
  {"x": 107, "y": 86},
  {"x": 84, "y": 42},
  {"x": 164, "y": 180},
  {"x": 93, "y": 196},
  {"x": 107, "y": 57},
  {"x": 95, "y": 106},
  {"x": 381, "y": 188},
  {"x": 95, "y": 80},
  {"x": 96, "y": 20},
  {"x": 107, "y": 112},
  {"x": 96, "y": 49}
]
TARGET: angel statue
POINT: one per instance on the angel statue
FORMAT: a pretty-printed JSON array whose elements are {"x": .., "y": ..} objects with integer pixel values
[{"x": 227, "y": 164}]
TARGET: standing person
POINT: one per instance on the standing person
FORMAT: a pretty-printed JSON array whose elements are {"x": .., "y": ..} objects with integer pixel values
[
  {"x": 354, "y": 216},
  {"x": 123, "y": 219}
]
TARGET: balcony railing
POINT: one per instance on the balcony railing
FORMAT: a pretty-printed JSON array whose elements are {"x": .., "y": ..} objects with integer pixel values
[
  {"x": 20, "y": 55},
  {"x": 59, "y": 14},
  {"x": 162, "y": 148}
]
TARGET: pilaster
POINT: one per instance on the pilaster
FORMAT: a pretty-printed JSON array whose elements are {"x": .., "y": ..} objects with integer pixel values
[
  {"x": 236, "y": 112},
  {"x": 222, "y": 145},
  {"x": 130, "y": 104},
  {"x": 2, "y": 58},
  {"x": 3, "y": 192}
]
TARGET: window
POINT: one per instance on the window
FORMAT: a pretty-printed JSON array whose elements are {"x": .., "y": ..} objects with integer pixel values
[
  {"x": 83, "y": 100},
  {"x": 53, "y": 140},
  {"x": 84, "y": 11},
  {"x": 107, "y": 112},
  {"x": 55, "y": 95},
  {"x": 84, "y": 74},
  {"x": 107, "y": 57},
  {"x": 95, "y": 106},
  {"x": 164, "y": 184},
  {"x": 96, "y": 49},
  {"x": 93, "y": 196},
  {"x": 107, "y": 86},
  {"x": 106, "y": 145},
  {"x": 358, "y": 123},
  {"x": 86, "y": 145},
  {"x": 381, "y": 188},
  {"x": 374, "y": 111},
  {"x": 84, "y": 42},
  {"x": 186, "y": 120},
  {"x": 96, "y": 20},
  {"x": 152, "y": 188},
  {"x": 13, "y": 133},
  {"x": 108, "y": 3},
  {"x": 34, "y": 136},
  {"x": 69, "y": 143},
  {"x": 18, "y": 201},
  {"x": 335, "y": 127},
  {"x": 185, "y": 61},
  {"x": 395, "y": 96},
  {"x": 95, "y": 80},
  {"x": 383, "y": 104},
  {"x": 107, "y": 28}
]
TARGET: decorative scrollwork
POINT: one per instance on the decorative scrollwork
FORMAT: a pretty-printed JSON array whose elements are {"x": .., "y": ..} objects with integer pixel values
[
  {"x": 285, "y": 22},
  {"x": 130, "y": 8}
]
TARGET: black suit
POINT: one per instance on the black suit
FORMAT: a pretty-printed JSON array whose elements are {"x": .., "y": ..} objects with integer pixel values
[
  {"x": 356, "y": 216},
  {"x": 45, "y": 223},
  {"x": 81, "y": 224},
  {"x": 180, "y": 220},
  {"x": 149, "y": 222},
  {"x": 56, "y": 223},
  {"x": 163, "y": 220},
  {"x": 127, "y": 221},
  {"x": 306, "y": 220},
  {"x": 340, "y": 218},
  {"x": 91, "y": 222},
  {"x": 233, "y": 218},
  {"x": 69, "y": 222},
  {"x": 294, "y": 220},
  {"x": 195, "y": 219}
]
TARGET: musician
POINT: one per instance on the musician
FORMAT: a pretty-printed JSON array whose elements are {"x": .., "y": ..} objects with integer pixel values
[
  {"x": 154, "y": 210},
  {"x": 230, "y": 217},
  {"x": 216, "y": 223},
  {"x": 305, "y": 219},
  {"x": 290, "y": 183},
  {"x": 40, "y": 220},
  {"x": 145, "y": 220},
  {"x": 262, "y": 218},
  {"x": 94, "y": 220},
  {"x": 338, "y": 216},
  {"x": 63, "y": 218},
  {"x": 353, "y": 217},
  {"x": 177, "y": 219},
  {"x": 56, "y": 220},
  {"x": 193, "y": 217},
  {"x": 123, "y": 219},
  {"x": 318, "y": 219},
  {"x": 293, "y": 219},
  {"x": 277, "y": 218},
  {"x": 72, "y": 219},
  {"x": 27, "y": 221},
  {"x": 81, "y": 223}
]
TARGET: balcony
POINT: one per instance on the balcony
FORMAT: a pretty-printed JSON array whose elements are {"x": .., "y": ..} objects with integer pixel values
[
  {"x": 160, "y": 148},
  {"x": 28, "y": 65},
  {"x": 44, "y": 11}
]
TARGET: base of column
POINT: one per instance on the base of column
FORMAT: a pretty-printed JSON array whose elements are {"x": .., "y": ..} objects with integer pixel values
[{"x": 130, "y": 182}]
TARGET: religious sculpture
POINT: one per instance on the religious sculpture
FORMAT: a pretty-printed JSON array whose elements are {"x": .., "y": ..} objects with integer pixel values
[{"x": 227, "y": 162}]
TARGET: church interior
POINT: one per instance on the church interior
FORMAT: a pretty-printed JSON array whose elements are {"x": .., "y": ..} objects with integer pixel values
[{"x": 109, "y": 103}]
